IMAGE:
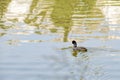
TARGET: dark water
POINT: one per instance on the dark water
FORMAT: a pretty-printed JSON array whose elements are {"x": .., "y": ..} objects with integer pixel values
[{"x": 36, "y": 37}]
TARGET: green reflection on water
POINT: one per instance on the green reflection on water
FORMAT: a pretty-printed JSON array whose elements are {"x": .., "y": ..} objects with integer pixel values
[
  {"x": 109, "y": 3},
  {"x": 37, "y": 13},
  {"x": 3, "y": 8},
  {"x": 62, "y": 15},
  {"x": 31, "y": 17},
  {"x": 2, "y": 34},
  {"x": 62, "y": 12},
  {"x": 90, "y": 4}
]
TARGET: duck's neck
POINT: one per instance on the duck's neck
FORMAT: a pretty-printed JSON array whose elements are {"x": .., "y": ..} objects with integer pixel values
[{"x": 75, "y": 45}]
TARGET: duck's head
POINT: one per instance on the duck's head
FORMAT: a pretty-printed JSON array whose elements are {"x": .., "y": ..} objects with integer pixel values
[{"x": 74, "y": 43}]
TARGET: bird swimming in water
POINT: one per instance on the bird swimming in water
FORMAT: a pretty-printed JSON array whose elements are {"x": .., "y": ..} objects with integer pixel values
[{"x": 75, "y": 48}]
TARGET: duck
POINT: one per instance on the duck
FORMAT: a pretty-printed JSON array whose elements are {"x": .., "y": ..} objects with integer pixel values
[{"x": 76, "y": 48}]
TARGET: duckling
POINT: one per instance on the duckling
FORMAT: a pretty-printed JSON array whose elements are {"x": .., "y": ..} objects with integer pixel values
[{"x": 75, "y": 48}]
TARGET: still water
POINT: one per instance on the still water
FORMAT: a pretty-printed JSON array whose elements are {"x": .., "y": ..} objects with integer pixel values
[{"x": 36, "y": 35}]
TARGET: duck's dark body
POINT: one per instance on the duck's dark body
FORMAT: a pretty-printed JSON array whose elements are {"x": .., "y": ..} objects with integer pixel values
[
  {"x": 83, "y": 49},
  {"x": 79, "y": 49}
]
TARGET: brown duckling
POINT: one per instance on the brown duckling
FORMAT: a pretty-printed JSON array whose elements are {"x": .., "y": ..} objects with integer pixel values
[{"x": 75, "y": 48}]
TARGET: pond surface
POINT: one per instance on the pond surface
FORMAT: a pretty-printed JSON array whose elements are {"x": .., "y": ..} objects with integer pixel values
[{"x": 36, "y": 37}]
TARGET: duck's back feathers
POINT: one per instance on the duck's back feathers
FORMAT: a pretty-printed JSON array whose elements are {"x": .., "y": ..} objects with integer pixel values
[{"x": 80, "y": 49}]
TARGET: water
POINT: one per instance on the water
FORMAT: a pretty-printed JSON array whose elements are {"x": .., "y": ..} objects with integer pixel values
[{"x": 36, "y": 37}]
